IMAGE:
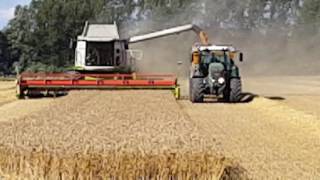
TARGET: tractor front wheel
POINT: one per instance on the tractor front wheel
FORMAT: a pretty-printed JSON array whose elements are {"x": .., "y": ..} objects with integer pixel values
[
  {"x": 196, "y": 90},
  {"x": 233, "y": 93}
]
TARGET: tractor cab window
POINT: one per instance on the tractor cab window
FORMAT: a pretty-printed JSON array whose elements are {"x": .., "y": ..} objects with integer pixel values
[
  {"x": 208, "y": 57},
  {"x": 220, "y": 58}
]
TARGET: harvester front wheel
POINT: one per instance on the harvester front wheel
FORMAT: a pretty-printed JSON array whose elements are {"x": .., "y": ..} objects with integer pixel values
[
  {"x": 196, "y": 90},
  {"x": 233, "y": 94},
  {"x": 19, "y": 92}
]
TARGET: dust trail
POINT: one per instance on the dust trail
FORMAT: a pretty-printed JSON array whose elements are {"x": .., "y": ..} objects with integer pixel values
[
  {"x": 269, "y": 51},
  {"x": 271, "y": 54},
  {"x": 274, "y": 54}
]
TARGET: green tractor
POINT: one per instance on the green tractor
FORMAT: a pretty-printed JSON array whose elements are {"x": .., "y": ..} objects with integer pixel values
[{"x": 213, "y": 72}]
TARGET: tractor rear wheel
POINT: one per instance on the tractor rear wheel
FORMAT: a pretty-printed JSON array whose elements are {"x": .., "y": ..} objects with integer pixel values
[
  {"x": 233, "y": 93},
  {"x": 197, "y": 89}
]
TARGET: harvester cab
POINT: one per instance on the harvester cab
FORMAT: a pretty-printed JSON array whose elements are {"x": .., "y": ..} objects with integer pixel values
[
  {"x": 214, "y": 72},
  {"x": 100, "y": 49}
]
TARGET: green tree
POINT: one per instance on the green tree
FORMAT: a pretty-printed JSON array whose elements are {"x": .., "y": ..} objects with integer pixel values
[
  {"x": 39, "y": 35},
  {"x": 19, "y": 37},
  {"x": 310, "y": 16},
  {"x": 4, "y": 60}
]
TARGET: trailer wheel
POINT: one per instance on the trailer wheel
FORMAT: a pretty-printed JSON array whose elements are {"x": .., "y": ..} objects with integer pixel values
[
  {"x": 233, "y": 93},
  {"x": 196, "y": 90}
]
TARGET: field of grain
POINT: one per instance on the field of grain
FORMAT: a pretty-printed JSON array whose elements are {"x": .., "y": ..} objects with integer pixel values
[
  {"x": 113, "y": 135},
  {"x": 150, "y": 135},
  {"x": 275, "y": 136},
  {"x": 7, "y": 92}
]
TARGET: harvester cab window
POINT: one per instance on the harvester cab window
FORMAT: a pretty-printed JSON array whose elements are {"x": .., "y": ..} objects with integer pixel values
[
  {"x": 100, "y": 54},
  {"x": 92, "y": 57}
]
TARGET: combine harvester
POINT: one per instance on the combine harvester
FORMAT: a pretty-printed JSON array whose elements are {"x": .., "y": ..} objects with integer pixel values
[{"x": 104, "y": 61}]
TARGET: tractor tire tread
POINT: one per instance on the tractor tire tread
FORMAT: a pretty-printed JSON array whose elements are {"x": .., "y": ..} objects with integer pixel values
[
  {"x": 197, "y": 90},
  {"x": 235, "y": 90}
]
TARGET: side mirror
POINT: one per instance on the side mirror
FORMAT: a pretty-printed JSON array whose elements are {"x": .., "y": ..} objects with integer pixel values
[{"x": 241, "y": 57}]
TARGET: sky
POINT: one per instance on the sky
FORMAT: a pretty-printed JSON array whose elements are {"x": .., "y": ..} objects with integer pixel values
[{"x": 7, "y": 10}]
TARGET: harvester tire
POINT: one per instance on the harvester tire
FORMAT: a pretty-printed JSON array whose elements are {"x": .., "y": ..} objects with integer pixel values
[
  {"x": 19, "y": 92},
  {"x": 235, "y": 90},
  {"x": 196, "y": 90}
]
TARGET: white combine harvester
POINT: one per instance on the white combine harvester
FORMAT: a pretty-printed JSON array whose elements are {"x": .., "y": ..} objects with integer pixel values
[{"x": 100, "y": 48}]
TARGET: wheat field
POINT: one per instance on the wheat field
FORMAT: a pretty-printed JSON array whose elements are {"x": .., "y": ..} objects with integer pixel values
[
  {"x": 111, "y": 135},
  {"x": 7, "y": 92}
]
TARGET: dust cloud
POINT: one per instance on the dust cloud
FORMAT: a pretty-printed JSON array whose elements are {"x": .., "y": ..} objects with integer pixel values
[
  {"x": 171, "y": 54},
  {"x": 168, "y": 55},
  {"x": 273, "y": 52}
]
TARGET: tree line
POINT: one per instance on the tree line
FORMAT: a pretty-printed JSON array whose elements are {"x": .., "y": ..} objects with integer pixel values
[{"x": 39, "y": 35}]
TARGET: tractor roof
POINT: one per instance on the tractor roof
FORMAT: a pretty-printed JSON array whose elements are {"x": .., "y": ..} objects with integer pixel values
[
  {"x": 214, "y": 48},
  {"x": 99, "y": 32}
]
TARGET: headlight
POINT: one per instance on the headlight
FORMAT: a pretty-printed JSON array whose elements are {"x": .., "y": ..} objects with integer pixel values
[
  {"x": 213, "y": 80},
  {"x": 221, "y": 80}
]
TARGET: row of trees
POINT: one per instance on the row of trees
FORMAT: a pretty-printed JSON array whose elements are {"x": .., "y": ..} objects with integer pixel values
[
  {"x": 4, "y": 60},
  {"x": 38, "y": 37}
]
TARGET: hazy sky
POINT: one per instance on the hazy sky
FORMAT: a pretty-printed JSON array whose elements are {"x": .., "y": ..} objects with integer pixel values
[{"x": 7, "y": 10}]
